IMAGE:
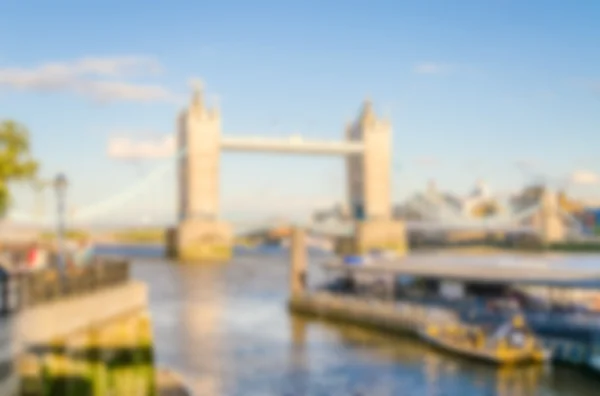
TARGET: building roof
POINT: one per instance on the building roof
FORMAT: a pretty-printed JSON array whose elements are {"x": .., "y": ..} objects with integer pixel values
[{"x": 481, "y": 269}]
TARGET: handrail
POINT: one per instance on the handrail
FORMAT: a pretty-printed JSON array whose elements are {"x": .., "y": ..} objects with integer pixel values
[{"x": 19, "y": 291}]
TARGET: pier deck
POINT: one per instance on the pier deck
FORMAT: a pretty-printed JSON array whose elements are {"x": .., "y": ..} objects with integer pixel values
[{"x": 480, "y": 269}]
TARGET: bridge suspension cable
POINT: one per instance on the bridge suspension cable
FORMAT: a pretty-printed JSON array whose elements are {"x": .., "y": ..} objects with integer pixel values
[
  {"x": 106, "y": 205},
  {"x": 122, "y": 197}
]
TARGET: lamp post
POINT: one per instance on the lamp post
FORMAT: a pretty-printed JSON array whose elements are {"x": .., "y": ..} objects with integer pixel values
[{"x": 60, "y": 186}]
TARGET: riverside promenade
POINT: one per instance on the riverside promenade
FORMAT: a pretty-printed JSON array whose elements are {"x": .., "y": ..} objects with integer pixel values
[{"x": 50, "y": 322}]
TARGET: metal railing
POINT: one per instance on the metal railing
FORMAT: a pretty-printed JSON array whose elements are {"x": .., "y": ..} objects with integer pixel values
[{"x": 20, "y": 291}]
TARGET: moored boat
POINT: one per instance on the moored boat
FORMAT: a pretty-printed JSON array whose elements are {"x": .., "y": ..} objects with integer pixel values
[
  {"x": 511, "y": 343},
  {"x": 561, "y": 303}
]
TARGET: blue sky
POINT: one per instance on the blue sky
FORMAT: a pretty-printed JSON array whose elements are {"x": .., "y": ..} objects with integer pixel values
[{"x": 472, "y": 87}]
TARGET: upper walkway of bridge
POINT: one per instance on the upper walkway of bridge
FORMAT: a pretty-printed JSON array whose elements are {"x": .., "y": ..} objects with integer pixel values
[{"x": 293, "y": 144}]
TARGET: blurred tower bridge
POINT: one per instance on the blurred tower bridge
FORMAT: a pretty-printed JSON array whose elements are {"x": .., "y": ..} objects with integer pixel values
[
  {"x": 201, "y": 234},
  {"x": 368, "y": 222}
]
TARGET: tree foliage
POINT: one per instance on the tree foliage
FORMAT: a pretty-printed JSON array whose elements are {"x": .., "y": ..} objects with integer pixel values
[{"x": 16, "y": 163}]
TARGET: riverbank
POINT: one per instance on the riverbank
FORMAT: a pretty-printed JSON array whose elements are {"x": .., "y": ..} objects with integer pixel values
[{"x": 137, "y": 236}]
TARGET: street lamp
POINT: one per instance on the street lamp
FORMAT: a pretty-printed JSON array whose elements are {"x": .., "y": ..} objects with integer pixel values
[{"x": 60, "y": 186}]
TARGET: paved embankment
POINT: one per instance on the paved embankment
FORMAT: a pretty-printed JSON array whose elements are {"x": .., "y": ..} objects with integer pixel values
[
  {"x": 384, "y": 315},
  {"x": 406, "y": 317}
]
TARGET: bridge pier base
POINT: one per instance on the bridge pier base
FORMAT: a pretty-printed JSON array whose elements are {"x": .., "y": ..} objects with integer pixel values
[
  {"x": 387, "y": 235},
  {"x": 200, "y": 240}
]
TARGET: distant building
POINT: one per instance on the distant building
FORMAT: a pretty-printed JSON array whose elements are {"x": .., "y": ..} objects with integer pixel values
[
  {"x": 477, "y": 204},
  {"x": 531, "y": 195},
  {"x": 338, "y": 212}
]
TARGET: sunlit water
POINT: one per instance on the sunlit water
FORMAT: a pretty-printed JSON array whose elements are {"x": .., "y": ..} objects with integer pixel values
[{"x": 226, "y": 329}]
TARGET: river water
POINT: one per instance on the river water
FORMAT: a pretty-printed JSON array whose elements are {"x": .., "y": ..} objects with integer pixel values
[{"x": 226, "y": 329}]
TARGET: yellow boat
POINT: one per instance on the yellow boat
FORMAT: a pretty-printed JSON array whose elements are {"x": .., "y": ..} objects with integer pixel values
[{"x": 511, "y": 343}]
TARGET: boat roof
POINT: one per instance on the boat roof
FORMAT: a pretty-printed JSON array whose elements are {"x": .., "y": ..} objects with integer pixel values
[{"x": 545, "y": 271}]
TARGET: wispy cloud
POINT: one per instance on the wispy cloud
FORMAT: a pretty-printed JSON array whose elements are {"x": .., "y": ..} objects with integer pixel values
[
  {"x": 122, "y": 147},
  {"x": 584, "y": 177},
  {"x": 427, "y": 161},
  {"x": 88, "y": 77},
  {"x": 431, "y": 68},
  {"x": 108, "y": 91}
]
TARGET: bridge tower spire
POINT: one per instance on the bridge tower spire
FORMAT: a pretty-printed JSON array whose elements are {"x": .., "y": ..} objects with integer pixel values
[{"x": 197, "y": 102}]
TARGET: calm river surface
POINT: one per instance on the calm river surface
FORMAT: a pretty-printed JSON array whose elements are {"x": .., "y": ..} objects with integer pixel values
[{"x": 226, "y": 329}]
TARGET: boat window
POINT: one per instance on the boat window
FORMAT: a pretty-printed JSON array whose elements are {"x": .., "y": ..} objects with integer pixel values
[
  {"x": 502, "y": 331},
  {"x": 486, "y": 290},
  {"x": 452, "y": 290}
]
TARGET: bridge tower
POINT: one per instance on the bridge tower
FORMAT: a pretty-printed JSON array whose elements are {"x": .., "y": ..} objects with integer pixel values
[
  {"x": 551, "y": 224},
  {"x": 370, "y": 187},
  {"x": 369, "y": 178},
  {"x": 200, "y": 235}
]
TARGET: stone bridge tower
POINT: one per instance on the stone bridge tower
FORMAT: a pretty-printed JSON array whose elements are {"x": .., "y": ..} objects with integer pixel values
[
  {"x": 551, "y": 223},
  {"x": 369, "y": 174},
  {"x": 370, "y": 187},
  {"x": 199, "y": 235}
]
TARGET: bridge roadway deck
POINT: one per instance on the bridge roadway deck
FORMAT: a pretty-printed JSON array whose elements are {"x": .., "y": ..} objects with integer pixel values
[{"x": 483, "y": 269}]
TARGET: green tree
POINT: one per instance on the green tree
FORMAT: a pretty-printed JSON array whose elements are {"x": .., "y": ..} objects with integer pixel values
[{"x": 16, "y": 163}]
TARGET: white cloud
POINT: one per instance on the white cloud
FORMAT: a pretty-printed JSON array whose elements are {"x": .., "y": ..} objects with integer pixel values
[
  {"x": 126, "y": 148},
  {"x": 119, "y": 66},
  {"x": 431, "y": 68},
  {"x": 87, "y": 77},
  {"x": 427, "y": 161},
  {"x": 584, "y": 177},
  {"x": 106, "y": 91}
]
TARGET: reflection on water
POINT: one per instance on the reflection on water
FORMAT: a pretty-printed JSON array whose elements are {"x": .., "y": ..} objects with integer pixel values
[
  {"x": 201, "y": 328},
  {"x": 227, "y": 330},
  {"x": 110, "y": 359}
]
